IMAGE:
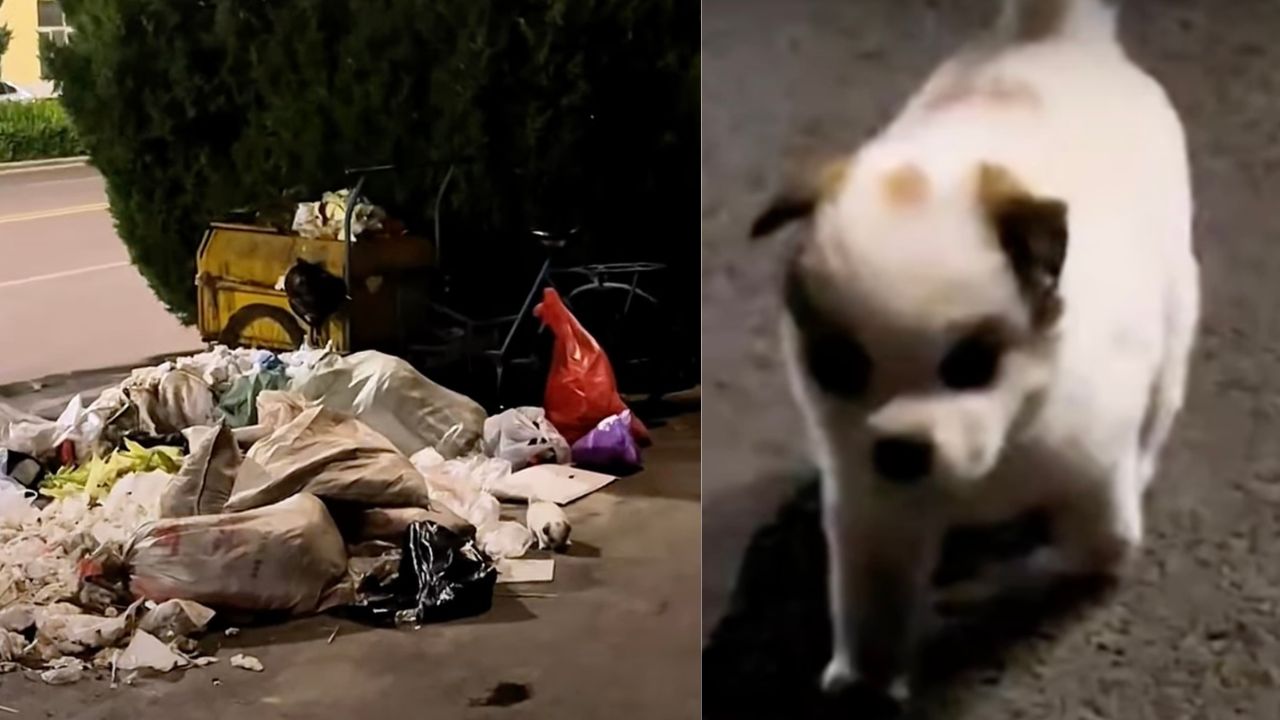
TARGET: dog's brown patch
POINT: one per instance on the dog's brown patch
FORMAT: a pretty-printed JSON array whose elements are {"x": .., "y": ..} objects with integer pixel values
[
  {"x": 1032, "y": 21},
  {"x": 801, "y": 195},
  {"x": 1032, "y": 232},
  {"x": 905, "y": 186}
]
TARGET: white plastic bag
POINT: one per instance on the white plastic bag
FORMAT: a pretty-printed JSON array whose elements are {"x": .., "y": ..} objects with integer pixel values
[
  {"x": 459, "y": 486},
  {"x": 287, "y": 556},
  {"x": 388, "y": 395},
  {"x": 15, "y": 504},
  {"x": 523, "y": 437},
  {"x": 132, "y": 502}
]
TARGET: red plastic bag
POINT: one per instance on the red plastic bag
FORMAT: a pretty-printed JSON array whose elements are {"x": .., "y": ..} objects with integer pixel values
[{"x": 581, "y": 389}]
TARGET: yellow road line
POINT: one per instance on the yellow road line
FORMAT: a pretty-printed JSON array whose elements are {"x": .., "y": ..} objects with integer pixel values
[{"x": 41, "y": 214}]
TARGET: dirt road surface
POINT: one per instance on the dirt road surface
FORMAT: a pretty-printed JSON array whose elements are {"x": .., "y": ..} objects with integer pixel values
[
  {"x": 1195, "y": 632},
  {"x": 69, "y": 299}
]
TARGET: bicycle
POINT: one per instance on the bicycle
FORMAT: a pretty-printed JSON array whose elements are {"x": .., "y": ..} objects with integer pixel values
[{"x": 606, "y": 298}]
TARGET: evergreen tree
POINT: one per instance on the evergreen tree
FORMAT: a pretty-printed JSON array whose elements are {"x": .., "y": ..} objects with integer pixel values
[{"x": 554, "y": 113}]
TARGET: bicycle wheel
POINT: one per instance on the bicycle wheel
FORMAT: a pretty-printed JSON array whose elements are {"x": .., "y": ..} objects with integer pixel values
[{"x": 629, "y": 325}]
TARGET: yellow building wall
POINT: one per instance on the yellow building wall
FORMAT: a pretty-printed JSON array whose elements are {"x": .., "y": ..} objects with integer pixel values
[{"x": 20, "y": 64}]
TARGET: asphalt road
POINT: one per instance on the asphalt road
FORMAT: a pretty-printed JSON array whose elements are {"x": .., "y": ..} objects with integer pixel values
[
  {"x": 1195, "y": 632},
  {"x": 69, "y": 299}
]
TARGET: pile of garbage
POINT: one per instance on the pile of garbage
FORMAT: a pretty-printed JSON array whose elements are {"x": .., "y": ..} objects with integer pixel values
[
  {"x": 241, "y": 483},
  {"x": 326, "y": 217}
]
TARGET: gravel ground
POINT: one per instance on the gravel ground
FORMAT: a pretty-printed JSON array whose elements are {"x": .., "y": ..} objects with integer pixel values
[{"x": 1194, "y": 633}]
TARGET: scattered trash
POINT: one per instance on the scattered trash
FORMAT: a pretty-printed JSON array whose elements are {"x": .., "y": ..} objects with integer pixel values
[
  {"x": 6, "y": 708},
  {"x": 12, "y": 646},
  {"x": 172, "y": 619},
  {"x": 239, "y": 404},
  {"x": 387, "y": 394},
  {"x": 20, "y": 467},
  {"x": 146, "y": 651},
  {"x": 508, "y": 539},
  {"x": 16, "y": 508},
  {"x": 64, "y": 671},
  {"x": 504, "y": 694},
  {"x": 560, "y": 484},
  {"x": 247, "y": 481},
  {"x": 287, "y": 556},
  {"x": 523, "y": 437},
  {"x": 581, "y": 389},
  {"x": 204, "y": 483},
  {"x": 96, "y": 477},
  {"x": 246, "y": 662},
  {"x": 326, "y": 218},
  {"x": 330, "y": 455},
  {"x": 389, "y": 524},
  {"x": 442, "y": 576},
  {"x": 609, "y": 445},
  {"x": 549, "y": 525},
  {"x": 526, "y": 570}
]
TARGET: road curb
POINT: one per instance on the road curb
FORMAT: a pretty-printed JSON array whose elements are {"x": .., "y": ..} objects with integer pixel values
[{"x": 46, "y": 164}]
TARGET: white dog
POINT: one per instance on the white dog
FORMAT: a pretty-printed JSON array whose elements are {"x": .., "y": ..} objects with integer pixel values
[{"x": 994, "y": 313}]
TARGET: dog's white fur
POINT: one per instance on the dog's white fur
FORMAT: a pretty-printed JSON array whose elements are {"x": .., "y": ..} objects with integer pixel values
[{"x": 1079, "y": 412}]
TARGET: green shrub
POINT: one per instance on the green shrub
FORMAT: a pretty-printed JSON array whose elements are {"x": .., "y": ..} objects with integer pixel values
[
  {"x": 555, "y": 112},
  {"x": 36, "y": 130}
]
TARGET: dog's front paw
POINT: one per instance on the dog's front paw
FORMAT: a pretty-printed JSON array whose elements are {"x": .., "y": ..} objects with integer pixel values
[{"x": 839, "y": 676}]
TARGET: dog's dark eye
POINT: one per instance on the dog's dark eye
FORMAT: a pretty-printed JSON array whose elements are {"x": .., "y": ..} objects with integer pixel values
[
  {"x": 972, "y": 362},
  {"x": 837, "y": 364}
]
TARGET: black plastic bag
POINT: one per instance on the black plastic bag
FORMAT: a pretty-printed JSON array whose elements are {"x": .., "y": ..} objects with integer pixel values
[{"x": 442, "y": 576}]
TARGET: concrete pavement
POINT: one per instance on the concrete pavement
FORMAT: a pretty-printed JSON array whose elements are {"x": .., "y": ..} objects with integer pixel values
[
  {"x": 1194, "y": 634},
  {"x": 69, "y": 299}
]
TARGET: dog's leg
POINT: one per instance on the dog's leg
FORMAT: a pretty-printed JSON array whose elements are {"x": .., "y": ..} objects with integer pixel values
[
  {"x": 1095, "y": 533},
  {"x": 1169, "y": 389},
  {"x": 879, "y": 561}
]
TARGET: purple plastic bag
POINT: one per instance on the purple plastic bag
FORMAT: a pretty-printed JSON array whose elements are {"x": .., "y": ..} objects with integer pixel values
[{"x": 608, "y": 445}]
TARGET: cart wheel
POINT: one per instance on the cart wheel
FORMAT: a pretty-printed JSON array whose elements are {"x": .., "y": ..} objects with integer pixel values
[{"x": 241, "y": 320}]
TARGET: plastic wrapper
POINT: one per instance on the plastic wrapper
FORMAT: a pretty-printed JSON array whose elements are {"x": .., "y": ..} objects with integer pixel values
[
  {"x": 523, "y": 437},
  {"x": 388, "y": 395},
  {"x": 442, "y": 576},
  {"x": 146, "y": 651},
  {"x": 327, "y": 217},
  {"x": 609, "y": 445},
  {"x": 96, "y": 477},
  {"x": 175, "y": 618},
  {"x": 327, "y": 454},
  {"x": 239, "y": 403},
  {"x": 15, "y": 505},
  {"x": 288, "y": 556},
  {"x": 581, "y": 388}
]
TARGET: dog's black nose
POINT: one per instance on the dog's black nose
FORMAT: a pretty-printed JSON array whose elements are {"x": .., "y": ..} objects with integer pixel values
[{"x": 902, "y": 459}]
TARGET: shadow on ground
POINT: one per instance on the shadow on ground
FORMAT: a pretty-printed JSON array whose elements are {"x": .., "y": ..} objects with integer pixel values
[{"x": 764, "y": 658}]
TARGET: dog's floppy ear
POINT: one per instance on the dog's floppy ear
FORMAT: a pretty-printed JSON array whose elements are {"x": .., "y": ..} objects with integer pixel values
[
  {"x": 1033, "y": 234},
  {"x": 800, "y": 195}
]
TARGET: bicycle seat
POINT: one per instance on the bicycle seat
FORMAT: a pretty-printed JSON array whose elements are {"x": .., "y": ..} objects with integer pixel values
[{"x": 554, "y": 240}]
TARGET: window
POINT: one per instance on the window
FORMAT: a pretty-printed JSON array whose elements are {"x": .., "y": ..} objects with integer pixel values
[
  {"x": 52, "y": 27},
  {"x": 49, "y": 13}
]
